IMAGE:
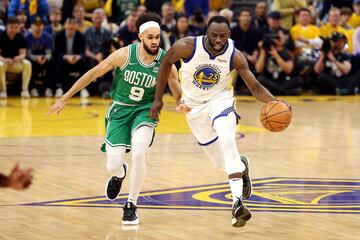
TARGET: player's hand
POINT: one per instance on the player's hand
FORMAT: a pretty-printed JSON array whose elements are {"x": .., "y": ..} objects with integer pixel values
[
  {"x": 57, "y": 107},
  {"x": 183, "y": 108},
  {"x": 20, "y": 179},
  {"x": 287, "y": 104},
  {"x": 156, "y": 109}
]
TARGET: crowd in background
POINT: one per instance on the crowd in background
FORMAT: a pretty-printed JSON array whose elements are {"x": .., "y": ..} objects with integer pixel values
[{"x": 292, "y": 46}]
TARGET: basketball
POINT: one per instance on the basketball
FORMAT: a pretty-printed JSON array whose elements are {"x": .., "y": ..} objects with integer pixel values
[{"x": 275, "y": 116}]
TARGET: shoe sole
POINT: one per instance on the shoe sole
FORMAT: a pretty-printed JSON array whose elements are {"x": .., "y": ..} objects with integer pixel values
[
  {"x": 247, "y": 193},
  {"x": 135, "y": 222},
  {"x": 106, "y": 186},
  {"x": 240, "y": 221}
]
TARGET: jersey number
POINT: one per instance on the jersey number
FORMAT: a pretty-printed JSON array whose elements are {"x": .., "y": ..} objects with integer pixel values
[{"x": 136, "y": 93}]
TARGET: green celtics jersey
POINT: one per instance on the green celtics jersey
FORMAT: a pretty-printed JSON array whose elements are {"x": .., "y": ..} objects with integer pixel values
[{"x": 135, "y": 82}]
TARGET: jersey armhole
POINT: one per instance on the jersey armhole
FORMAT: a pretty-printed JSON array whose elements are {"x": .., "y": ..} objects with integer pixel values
[
  {"x": 232, "y": 57},
  {"x": 127, "y": 59},
  {"x": 185, "y": 60}
]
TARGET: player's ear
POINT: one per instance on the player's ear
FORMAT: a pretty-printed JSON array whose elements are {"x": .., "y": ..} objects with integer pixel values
[{"x": 140, "y": 36}]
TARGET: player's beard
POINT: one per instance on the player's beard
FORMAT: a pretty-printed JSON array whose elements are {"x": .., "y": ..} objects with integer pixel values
[
  {"x": 212, "y": 45},
  {"x": 149, "y": 51}
]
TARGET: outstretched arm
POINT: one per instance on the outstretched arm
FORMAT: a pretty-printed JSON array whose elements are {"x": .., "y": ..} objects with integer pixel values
[
  {"x": 257, "y": 90},
  {"x": 117, "y": 58},
  {"x": 180, "y": 50},
  {"x": 174, "y": 84}
]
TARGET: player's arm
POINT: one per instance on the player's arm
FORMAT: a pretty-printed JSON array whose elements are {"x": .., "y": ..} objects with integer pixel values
[
  {"x": 257, "y": 90},
  {"x": 117, "y": 58},
  {"x": 174, "y": 84},
  {"x": 181, "y": 49}
]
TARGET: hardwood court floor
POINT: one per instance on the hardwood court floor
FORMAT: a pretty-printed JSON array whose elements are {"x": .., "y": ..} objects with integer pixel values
[{"x": 307, "y": 181}]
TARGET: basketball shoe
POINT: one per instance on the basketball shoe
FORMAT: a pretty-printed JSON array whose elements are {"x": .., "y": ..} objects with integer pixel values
[
  {"x": 113, "y": 186},
  {"x": 130, "y": 217},
  {"x": 247, "y": 185},
  {"x": 240, "y": 214}
]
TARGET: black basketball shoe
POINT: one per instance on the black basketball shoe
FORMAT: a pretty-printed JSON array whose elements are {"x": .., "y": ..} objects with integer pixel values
[
  {"x": 113, "y": 186},
  {"x": 130, "y": 217},
  {"x": 247, "y": 185},
  {"x": 240, "y": 214}
]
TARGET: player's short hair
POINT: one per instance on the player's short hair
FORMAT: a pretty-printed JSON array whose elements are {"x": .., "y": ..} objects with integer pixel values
[
  {"x": 219, "y": 19},
  {"x": 146, "y": 17}
]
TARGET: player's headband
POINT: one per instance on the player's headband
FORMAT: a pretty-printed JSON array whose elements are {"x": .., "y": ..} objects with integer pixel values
[{"x": 147, "y": 25}]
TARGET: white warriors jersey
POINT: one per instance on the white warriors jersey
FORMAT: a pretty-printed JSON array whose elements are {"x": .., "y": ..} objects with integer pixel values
[{"x": 204, "y": 76}]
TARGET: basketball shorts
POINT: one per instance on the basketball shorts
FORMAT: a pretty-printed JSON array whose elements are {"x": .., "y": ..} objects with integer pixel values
[
  {"x": 201, "y": 118},
  {"x": 121, "y": 121}
]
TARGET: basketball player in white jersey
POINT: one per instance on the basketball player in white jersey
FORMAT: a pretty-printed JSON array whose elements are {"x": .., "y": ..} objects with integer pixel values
[{"x": 207, "y": 64}]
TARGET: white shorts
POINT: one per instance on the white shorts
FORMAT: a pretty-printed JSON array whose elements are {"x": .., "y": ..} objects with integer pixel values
[{"x": 201, "y": 118}]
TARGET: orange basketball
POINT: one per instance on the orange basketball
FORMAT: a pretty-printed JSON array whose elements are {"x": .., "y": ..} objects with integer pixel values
[{"x": 275, "y": 116}]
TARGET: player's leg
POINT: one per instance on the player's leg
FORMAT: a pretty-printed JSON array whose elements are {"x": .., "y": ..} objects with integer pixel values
[
  {"x": 140, "y": 141},
  {"x": 225, "y": 127},
  {"x": 117, "y": 168},
  {"x": 117, "y": 139}
]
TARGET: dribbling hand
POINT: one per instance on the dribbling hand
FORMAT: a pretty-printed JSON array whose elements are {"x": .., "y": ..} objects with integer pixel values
[
  {"x": 183, "y": 108},
  {"x": 57, "y": 107},
  {"x": 20, "y": 179}
]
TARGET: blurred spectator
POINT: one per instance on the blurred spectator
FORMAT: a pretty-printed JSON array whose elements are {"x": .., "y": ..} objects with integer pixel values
[
  {"x": 128, "y": 34},
  {"x": 32, "y": 8},
  {"x": 121, "y": 9},
  {"x": 246, "y": 37},
  {"x": 334, "y": 66},
  {"x": 307, "y": 41},
  {"x": 67, "y": 9},
  {"x": 168, "y": 17},
  {"x": 98, "y": 41},
  {"x": 110, "y": 26},
  {"x": 276, "y": 64},
  {"x": 333, "y": 26},
  {"x": 287, "y": 9},
  {"x": 79, "y": 15},
  {"x": 220, "y": 4},
  {"x": 345, "y": 15},
  {"x": 259, "y": 21},
  {"x": 69, "y": 52},
  {"x": 3, "y": 13},
  {"x": 39, "y": 51},
  {"x": 141, "y": 9},
  {"x": 356, "y": 42},
  {"x": 155, "y": 5},
  {"x": 55, "y": 25},
  {"x": 12, "y": 57},
  {"x": 274, "y": 26},
  {"x": 198, "y": 23},
  {"x": 229, "y": 14},
  {"x": 325, "y": 6},
  {"x": 354, "y": 21},
  {"x": 181, "y": 29},
  {"x": 193, "y": 6},
  {"x": 305, "y": 35},
  {"x": 23, "y": 22}
]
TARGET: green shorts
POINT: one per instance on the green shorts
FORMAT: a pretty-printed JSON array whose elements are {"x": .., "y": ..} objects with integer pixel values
[{"x": 121, "y": 121}]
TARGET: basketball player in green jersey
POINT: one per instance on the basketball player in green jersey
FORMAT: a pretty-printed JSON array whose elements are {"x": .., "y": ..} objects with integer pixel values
[{"x": 128, "y": 125}]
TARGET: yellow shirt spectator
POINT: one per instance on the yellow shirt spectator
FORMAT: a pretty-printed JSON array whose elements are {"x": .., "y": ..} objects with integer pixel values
[
  {"x": 287, "y": 9},
  {"x": 354, "y": 21},
  {"x": 307, "y": 32}
]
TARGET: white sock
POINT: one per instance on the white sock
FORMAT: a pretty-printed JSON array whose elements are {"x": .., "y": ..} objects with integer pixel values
[
  {"x": 236, "y": 187},
  {"x": 140, "y": 142}
]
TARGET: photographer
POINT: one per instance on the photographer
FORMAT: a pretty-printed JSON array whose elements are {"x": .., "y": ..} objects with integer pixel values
[
  {"x": 334, "y": 67},
  {"x": 275, "y": 66}
]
